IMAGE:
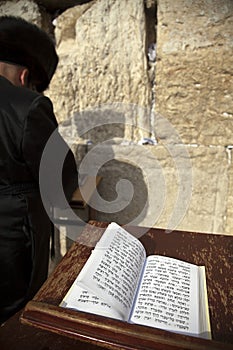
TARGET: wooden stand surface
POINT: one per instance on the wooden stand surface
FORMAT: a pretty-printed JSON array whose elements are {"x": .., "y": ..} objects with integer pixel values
[{"x": 213, "y": 251}]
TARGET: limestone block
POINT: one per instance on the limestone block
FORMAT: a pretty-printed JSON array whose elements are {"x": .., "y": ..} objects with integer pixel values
[
  {"x": 168, "y": 186},
  {"x": 101, "y": 46},
  {"x": 24, "y": 8},
  {"x": 29, "y": 10},
  {"x": 194, "y": 69},
  {"x": 208, "y": 205},
  {"x": 188, "y": 25}
]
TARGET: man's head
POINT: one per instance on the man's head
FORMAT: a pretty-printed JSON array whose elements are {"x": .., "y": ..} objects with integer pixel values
[{"x": 29, "y": 49}]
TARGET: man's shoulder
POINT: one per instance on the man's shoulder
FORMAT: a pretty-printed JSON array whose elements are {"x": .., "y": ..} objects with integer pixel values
[
  {"x": 18, "y": 95},
  {"x": 20, "y": 100}
]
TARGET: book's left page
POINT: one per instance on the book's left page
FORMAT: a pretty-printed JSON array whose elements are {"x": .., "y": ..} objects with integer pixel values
[{"x": 108, "y": 281}]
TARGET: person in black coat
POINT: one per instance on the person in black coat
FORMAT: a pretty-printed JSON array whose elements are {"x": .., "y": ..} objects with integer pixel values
[{"x": 28, "y": 61}]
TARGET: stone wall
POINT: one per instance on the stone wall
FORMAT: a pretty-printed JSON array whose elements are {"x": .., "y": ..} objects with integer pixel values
[
  {"x": 108, "y": 91},
  {"x": 194, "y": 92},
  {"x": 193, "y": 72}
]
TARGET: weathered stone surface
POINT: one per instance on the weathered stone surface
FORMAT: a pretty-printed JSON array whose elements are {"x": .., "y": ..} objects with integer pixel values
[
  {"x": 28, "y": 10},
  {"x": 194, "y": 69},
  {"x": 180, "y": 187},
  {"x": 102, "y": 59},
  {"x": 102, "y": 52}
]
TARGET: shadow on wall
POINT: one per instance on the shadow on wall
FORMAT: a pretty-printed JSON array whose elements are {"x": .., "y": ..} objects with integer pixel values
[
  {"x": 131, "y": 199},
  {"x": 116, "y": 123},
  {"x": 123, "y": 194},
  {"x": 117, "y": 204}
]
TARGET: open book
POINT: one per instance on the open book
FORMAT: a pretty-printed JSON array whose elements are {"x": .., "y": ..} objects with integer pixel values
[{"x": 120, "y": 282}]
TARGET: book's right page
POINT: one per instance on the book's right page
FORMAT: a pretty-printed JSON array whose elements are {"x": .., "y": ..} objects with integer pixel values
[{"x": 172, "y": 296}]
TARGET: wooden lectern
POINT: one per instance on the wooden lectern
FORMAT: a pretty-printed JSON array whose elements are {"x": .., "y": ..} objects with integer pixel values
[{"x": 213, "y": 251}]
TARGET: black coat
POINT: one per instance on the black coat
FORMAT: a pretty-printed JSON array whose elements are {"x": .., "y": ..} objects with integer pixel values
[{"x": 26, "y": 123}]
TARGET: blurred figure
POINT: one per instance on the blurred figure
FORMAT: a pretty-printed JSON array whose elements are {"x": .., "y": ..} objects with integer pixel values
[{"x": 28, "y": 61}]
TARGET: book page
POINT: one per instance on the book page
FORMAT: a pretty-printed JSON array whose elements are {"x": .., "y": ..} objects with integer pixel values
[
  {"x": 204, "y": 317},
  {"x": 169, "y": 296},
  {"x": 113, "y": 270},
  {"x": 83, "y": 300}
]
